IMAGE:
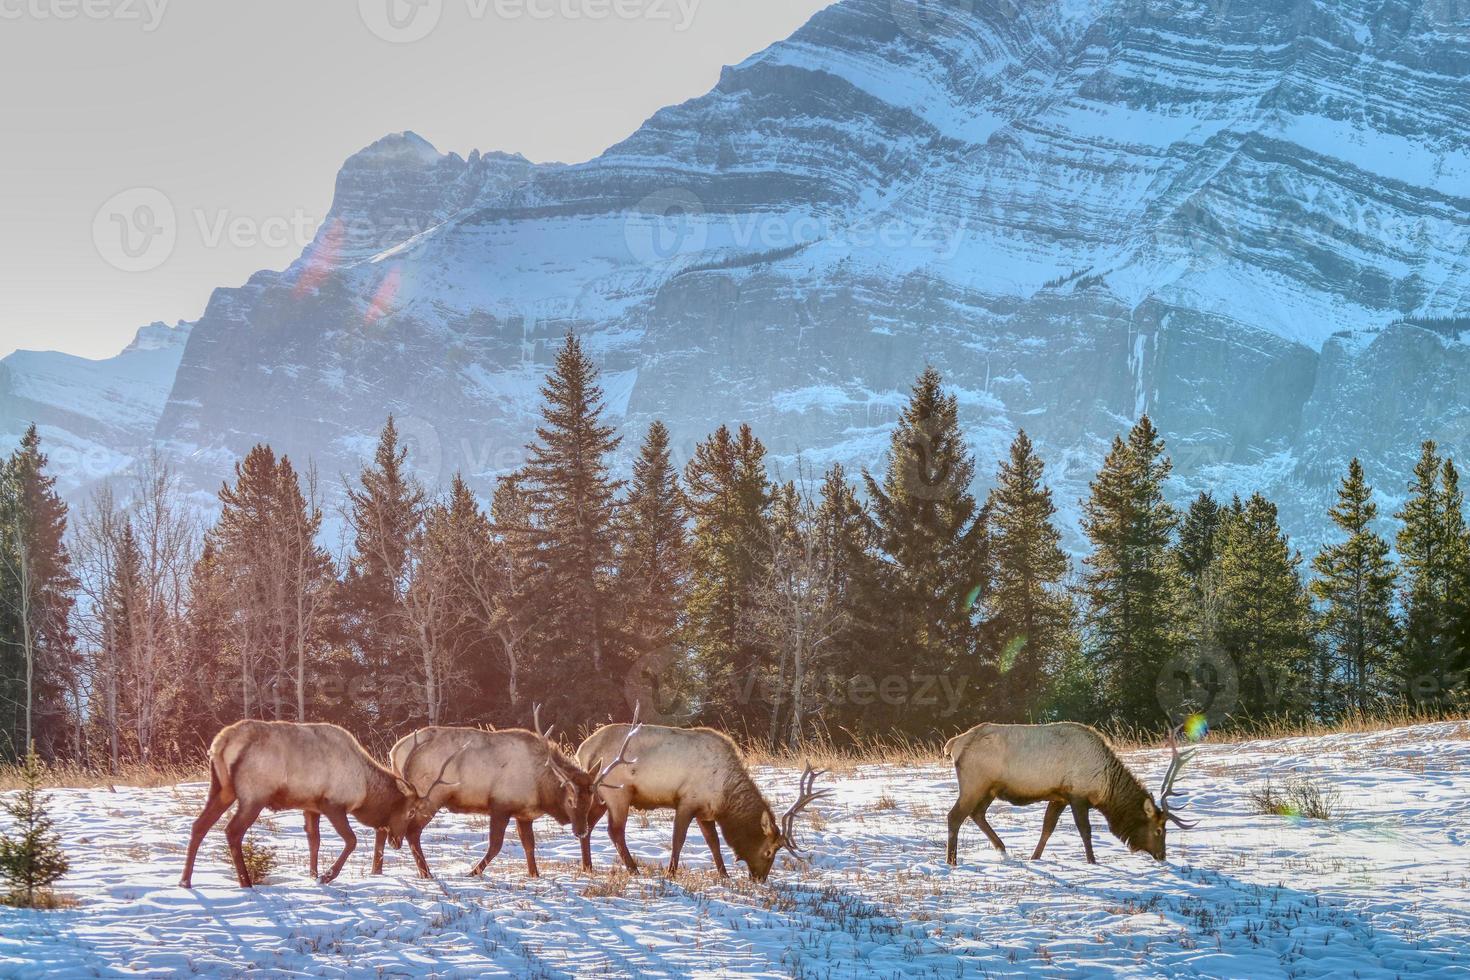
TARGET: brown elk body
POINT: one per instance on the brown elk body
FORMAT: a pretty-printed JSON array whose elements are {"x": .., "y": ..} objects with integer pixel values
[
  {"x": 699, "y": 774},
  {"x": 280, "y": 765},
  {"x": 1062, "y": 764},
  {"x": 507, "y": 774}
]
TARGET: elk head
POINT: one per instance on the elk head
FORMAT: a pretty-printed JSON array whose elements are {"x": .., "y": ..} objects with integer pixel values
[
  {"x": 415, "y": 808},
  {"x": 776, "y": 836},
  {"x": 599, "y": 782},
  {"x": 577, "y": 788},
  {"x": 1161, "y": 815}
]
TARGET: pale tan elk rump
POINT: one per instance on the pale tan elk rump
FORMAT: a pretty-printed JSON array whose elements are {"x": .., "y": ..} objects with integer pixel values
[
  {"x": 699, "y": 774},
  {"x": 1062, "y": 764}
]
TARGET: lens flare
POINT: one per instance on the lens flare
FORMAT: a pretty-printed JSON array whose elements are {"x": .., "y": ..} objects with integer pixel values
[{"x": 1196, "y": 727}]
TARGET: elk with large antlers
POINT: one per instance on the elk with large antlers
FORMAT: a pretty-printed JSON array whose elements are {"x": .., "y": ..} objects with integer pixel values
[
  {"x": 699, "y": 774},
  {"x": 1062, "y": 764},
  {"x": 507, "y": 774},
  {"x": 320, "y": 769}
]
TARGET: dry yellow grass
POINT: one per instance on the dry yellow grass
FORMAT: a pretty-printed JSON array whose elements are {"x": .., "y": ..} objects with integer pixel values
[{"x": 821, "y": 751}]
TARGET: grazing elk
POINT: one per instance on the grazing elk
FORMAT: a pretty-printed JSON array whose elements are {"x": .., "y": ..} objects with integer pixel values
[
  {"x": 697, "y": 773},
  {"x": 1064, "y": 764},
  {"x": 507, "y": 774},
  {"x": 284, "y": 765}
]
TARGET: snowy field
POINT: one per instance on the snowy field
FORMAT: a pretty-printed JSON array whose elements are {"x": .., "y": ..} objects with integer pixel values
[{"x": 1384, "y": 891}]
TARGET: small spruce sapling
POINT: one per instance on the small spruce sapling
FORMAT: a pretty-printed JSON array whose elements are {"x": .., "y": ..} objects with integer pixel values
[{"x": 31, "y": 859}]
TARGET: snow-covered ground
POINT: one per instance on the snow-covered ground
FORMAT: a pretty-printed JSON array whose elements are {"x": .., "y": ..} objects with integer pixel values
[{"x": 1384, "y": 891}]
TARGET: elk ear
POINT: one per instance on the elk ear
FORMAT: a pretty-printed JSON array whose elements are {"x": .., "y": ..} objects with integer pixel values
[
  {"x": 404, "y": 788},
  {"x": 1149, "y": 809},
  {"x": 768, "y": 825}
]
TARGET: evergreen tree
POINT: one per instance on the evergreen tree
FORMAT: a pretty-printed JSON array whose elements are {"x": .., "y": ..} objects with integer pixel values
[
  {"x": 1355, "y": 585},
  {"x": 844, "y": 539},
  {"x": 1432, "y": 549},
  {"x": 729, "y": 498},
  {"x": 1265, "y": 619},
  {"x": 1198, "y": 532},
  {"x": 574, "y": 514},
  {"x": 1129, "y": 583},
  {"x": 385, "y": 513},
  {"x": 653, "y": 562},
  {"x": 1030, "y": 616},
  {"x": 263, "y": 588},
  {"x": 38, "y": 656},
  {"x": 932, "y": 538},
  {"x": 31, "y": 858}
]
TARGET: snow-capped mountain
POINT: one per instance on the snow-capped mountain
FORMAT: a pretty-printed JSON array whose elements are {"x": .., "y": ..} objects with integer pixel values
[
  {"x": 1249, "y": 218},
  {"x": 94, "y": 417}
]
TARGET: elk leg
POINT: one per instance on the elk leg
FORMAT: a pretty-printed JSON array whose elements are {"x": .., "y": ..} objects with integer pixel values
[
  {"x": 616, "y": 830},
  {"x": 681, "y": 829},
  {"x": 380, "y": 838},
  {"x": 528, "y": 844},
  {"x": 235, "y": 830},
  {"x": 1084, "y": 827},
  {"x": 417, "y": 847},
  {"x": 712, "y": 838},
  {"x": 215, "y": 806},
  {"x": 1053, "y": 811},
  {"x": 498, "y": 823},
  {"x": 979, "y": 817},
  {"x": 963, "y": 807},
  {"x": 592, "y": 818},
  {"x": 313, "y": 837},
  {"x": 339, "y": 823}
]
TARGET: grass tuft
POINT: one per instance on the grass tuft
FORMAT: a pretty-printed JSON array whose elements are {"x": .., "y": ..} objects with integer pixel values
[{"x": 1300, "y": 797}]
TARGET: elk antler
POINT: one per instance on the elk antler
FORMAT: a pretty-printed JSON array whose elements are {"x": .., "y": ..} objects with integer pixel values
[
  {"x": 439, "y": 779},
  {"x": 1177, "y": 763},
  {"x": 804, "y": 797},
  {"x": 621, "y": 758},
  {"x": 536, "y": 722}
]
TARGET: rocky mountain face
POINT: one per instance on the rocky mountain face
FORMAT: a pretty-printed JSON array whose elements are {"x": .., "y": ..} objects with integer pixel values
[
  {"x": 95, "y": 418},
  {"x": 1250, "y": 219}
]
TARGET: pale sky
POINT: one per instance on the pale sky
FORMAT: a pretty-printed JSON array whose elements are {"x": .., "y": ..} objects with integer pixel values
[{"x": 239, "y": 113}]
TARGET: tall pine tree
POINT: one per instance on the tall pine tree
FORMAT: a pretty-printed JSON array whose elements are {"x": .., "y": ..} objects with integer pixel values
[
  {"x": 1030, "y": 615},
  {"x": 1129, "y": 583},
  {"x": 1265, "y": 618},
  {"x": 653, "y": 562},
  {"x": 1432, "y": 549},
  {"x": 574, "y": 514},
  {"x": 729, "y": 499},
  {"x": 931, "y": 538},
  {"x": 1355, "y": 585},
  {"x": 38, "y": 656},
  {"x": 385, "y": 513}
]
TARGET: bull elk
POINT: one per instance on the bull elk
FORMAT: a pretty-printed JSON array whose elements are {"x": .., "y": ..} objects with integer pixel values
[
  {"x": 316, "y": 768},
  {"x": 507, "y": 774},
  {"x": 699, "y": 774},
  {"x": 1064, "y": 764}
]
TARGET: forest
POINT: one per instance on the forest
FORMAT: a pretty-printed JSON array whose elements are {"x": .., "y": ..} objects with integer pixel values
[{"x": 844, "y": 606}]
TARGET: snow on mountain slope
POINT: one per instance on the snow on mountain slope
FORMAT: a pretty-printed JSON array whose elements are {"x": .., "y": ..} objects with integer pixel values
[
  {"x": 1379, "y": 892},
  {"x": 1079, "y": 210},
  {"x": 94, "y": 417}
]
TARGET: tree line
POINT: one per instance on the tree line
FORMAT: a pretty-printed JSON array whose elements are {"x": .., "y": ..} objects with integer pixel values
[{"x": 882, "y": 603}]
